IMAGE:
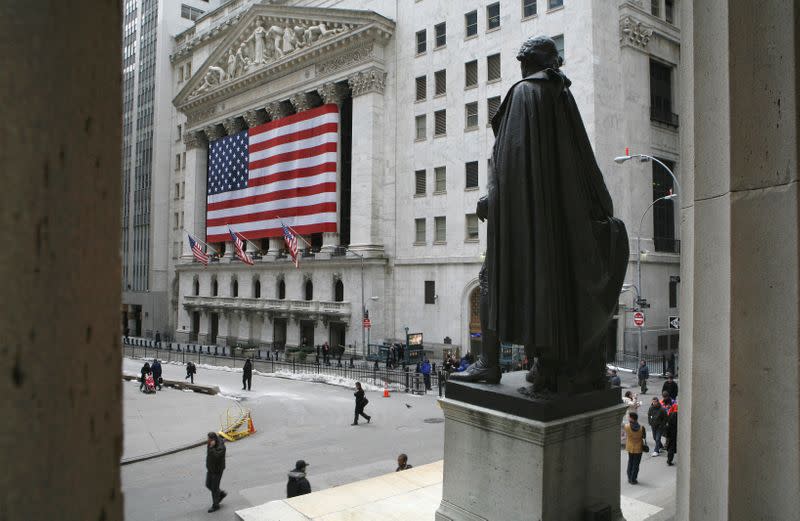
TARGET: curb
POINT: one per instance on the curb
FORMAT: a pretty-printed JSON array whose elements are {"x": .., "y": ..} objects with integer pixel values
[{"x": 154, "y": 455}]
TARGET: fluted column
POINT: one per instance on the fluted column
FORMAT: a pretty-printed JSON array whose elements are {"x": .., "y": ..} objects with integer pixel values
[
  {"x": 334, "y": 93},
  {"x": 367, "y": 163},
  {"x": 194, "y": 204}
]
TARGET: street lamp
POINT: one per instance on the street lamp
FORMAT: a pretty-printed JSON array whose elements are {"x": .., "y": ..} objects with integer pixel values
[
  {"x": 638, "y": 286},
  {"x": 644, "y": 158}
]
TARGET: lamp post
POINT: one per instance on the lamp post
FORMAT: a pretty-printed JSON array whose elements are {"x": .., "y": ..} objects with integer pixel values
[
  {"x": 644, "y": 158},
  {"x": 639, "y": 259},
  {"x": 363, "y": 306}
]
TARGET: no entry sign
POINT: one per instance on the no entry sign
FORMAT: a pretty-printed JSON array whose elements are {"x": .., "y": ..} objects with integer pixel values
[
  {"x": 367, "y": 323},
  {"x": 638, "y": 318}
]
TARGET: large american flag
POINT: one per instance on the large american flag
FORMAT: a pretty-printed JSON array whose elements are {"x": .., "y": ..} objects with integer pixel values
[{"x": 284, "y": 170}]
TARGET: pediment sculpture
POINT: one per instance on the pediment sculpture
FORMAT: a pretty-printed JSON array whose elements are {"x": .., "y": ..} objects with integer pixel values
[{"x": 269, "y": 41}]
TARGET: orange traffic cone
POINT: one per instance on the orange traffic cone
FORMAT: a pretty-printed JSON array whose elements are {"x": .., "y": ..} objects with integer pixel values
[
  {"x": 250, "y": 427},
  {"x": 385, "y": 390}
]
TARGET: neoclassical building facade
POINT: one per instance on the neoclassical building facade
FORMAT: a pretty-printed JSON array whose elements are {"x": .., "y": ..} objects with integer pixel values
[{"x": 416, "y": 83}]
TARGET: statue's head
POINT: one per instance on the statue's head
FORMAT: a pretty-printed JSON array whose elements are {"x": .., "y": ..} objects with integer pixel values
[{"x": 538, "y": 53}]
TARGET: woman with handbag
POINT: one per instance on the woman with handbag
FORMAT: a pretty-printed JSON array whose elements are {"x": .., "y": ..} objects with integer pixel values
[
  {"x": 361, "y": 402},
  {"x": 635, "y": 444}
]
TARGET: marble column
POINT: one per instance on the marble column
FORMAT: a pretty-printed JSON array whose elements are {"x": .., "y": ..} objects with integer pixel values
[
  {"x": 254, "y": 117},
  {"x": 334, "y": 93},
  {"x": 300, "y": 101},
  {"x": 276, "y": 110},
  {"x": 266, "y": 330},
  {"x": 223, "y": 332},
  {"x": 205, "y": 327},
  {"x": 739, "y": 439},
  {"x": 195, "y": 201},
  {"x": 367, "y": 164}
]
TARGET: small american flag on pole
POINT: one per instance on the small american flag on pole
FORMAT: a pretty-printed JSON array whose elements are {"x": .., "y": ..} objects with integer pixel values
[
  {"x": 238, "y": 245},
  {"x": 198, "y": 252},
  {"x": 291, "y": 243}
]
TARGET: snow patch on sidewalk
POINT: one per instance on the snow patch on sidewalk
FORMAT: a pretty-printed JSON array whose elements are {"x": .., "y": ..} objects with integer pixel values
[{"x": 328, "y": 379}]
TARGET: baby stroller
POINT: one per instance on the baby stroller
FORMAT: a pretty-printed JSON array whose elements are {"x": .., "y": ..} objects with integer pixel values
[{"x": 149, "y": 384}]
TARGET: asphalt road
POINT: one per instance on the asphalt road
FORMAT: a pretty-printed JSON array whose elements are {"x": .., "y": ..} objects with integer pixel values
[{"x": 294, "y": 420}]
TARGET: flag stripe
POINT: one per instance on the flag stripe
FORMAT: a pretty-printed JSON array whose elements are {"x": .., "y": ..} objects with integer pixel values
[{"x": 284, "y": 169}]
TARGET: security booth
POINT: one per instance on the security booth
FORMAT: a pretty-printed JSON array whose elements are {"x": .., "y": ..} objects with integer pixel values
[
  {"x": 414, "y": 348},
  {"x": 511, "y": 356}
]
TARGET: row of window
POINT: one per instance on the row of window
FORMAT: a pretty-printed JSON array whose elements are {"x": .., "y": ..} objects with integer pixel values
[
  {"x": 529, "y": 8},
  {"x": 440, "y": 229},
  {"x": 669, "y": 9},
  {"x": 184, "y": 72},
  {"x": 440, "y": 179},
  {"x": 470, "y": 77},
  {"x": 280, "y": 289},
  {"x": 180, "y": 161},
  {"x": 440, "y": 119}
]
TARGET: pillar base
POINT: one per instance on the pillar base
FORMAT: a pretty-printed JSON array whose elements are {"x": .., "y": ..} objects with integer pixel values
[
  {"x": 182, "y": 337},
  {"x": 499, "y": 465},
  {"x": 368, "y": 250}
]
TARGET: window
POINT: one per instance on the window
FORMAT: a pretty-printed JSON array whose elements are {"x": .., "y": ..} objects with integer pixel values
[
  {"x": 669, "y": 11},
  {"x": 421, "y": 41},
  {"x": 422, "y": 87},
  {"x": 492, "y": 105},
  {"x": 257, "y": 289},
  {"x": 528, "y": 8},
  {"x": 419, "y": 231},
  {"x": 177, "y": 221},
  {"x": 552, "y": 4},
  {"x": 338, "y": 291},
  {"x": 177, "y": 190},
  {"x": 471, "y": 114},
  {"x": 493, "y": 16},
  {"x": 179, "y": 133},
  {"x": 188, "y": 70},
  {"x": 439, "y": 229},
  {"x": 419, "y": 182},
  {"x": 214, "y": 287},
  {"x": 655, "y": 7},
  {"x": 196, "y": 287},
  {"x": 190, "y": 13},
  {"x": 420, "y": 123},
  {"x": 183, "y": 185},
  {"x": 440, "y": 122},
  {"x": 440, "y": 80},
  {"x": 235, "y": 288},
  {"x": 472, "y": 227},
  {"x": 673, "y": 292},
  {"x": 309, "y": 290},
  {"x": 663, "y": 342},
  {"x": 559, "y": 41},
  {"x": 180, "y": 74},
  {"x": 177, "y": 161},
  {"x": 471, "y": 23},
  {"x": 430, "y": 292},
  {"x": 181, "y": 220},
  {"x": 661, "y": 94},
  {"x": 471, "y": 171},
  {"x": 440, "y": 35},
  {"x": 439, "y": 179},
  {"x": 281, "y": 289},
  {"x": 471, "y": 74},
  {"x": 493, "y": 67},
  {"x": 183, "y": 162},
  {"x": 663, "y": 211}
]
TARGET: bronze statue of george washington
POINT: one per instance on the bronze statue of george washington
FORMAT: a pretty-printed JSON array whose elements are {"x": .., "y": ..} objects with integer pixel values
[{"x": 556, "y": 256}]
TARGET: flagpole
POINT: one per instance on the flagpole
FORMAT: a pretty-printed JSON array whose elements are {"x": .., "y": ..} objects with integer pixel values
[
  {"x": 245, "y": 238},
  {"x": 293, "y": 231},
  {"x": 201, "y": 242}
]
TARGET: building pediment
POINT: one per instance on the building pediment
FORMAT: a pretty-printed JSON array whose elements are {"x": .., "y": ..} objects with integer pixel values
[{"x": 268, "y": 42}]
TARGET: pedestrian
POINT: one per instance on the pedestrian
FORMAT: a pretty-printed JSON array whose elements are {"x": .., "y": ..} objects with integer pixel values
[
  {"x": 633, "y": 403},
  {"x": 326, "y": 353},
  {"x": 298, "y": 484},
  {"x": 376, "y": 367},
  {"x": 158, "y": 339},
  {"x": 671, "y": 433},
  {"x": 156, "y": 368},
  {"x": 247, "y": 375},
  {"x": 671, "y": 364},
  {"x": 671, "y": 387},
  {"x": 190, "y": 371},
  {"x": 615, "y": 380},
  {"x": 402, "y": 463},
  {"x": 144, "y": 372},
  {"x": 425, "y": 369},
  {"x": 215, "y": 464},
  {"x": 361, "y": 402},
  {"x": 635, "y": 445},
  {"x": 657, "y": 419},
  {"x": 643, "y": 374}
]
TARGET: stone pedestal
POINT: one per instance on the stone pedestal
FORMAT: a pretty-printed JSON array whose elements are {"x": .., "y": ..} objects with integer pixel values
[{"x": 506, "y": 464}]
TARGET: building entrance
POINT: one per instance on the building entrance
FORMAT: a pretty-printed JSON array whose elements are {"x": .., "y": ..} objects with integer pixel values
[
  {"x": 307, "y": 333},
  {"x": 195, "y": 326},
  {"x": 279, "y": 333},
  {"x": 336, "y": 331},
  {"x": 212, "y": 335}
]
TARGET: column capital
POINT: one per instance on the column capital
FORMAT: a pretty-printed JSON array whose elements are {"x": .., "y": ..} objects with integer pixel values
[
  {"x": 195, "y": 139},
  {"x": 300, "y": 101},
  {"x": 370, "y": 80},
  {"x": 213, "y": 132},
  {"x": 254, "y": 117},
  {"x": 233, "y": 125},
  {"x": 276, "y": 110},
  {"x": 333, "y": 93}
]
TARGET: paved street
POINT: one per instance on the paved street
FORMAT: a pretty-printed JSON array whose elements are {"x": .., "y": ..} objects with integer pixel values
[{"x": 294, "y": 420}]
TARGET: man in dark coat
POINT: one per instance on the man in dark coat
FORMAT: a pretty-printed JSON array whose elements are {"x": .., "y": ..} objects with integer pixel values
[
  {"x": 247, "y": 375},
  {"x": 671, "y": 433},
  {"x": 670, "y": 386},
  {"x": 657, "y": 418},
  {"x": 556, "y": 256},
  {"x": 215, "y": 465},
  {"x": 145, "y": 369},
  {"x": 156, "y": 368},
  {"x": 298, "y": 484}
]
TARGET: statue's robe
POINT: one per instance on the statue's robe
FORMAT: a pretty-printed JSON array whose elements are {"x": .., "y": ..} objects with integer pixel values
[{"x": 556, "y": 256}]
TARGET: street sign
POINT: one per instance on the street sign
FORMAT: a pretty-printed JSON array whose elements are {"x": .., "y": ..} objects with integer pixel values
[
  {"x": 674, "y": 322},
  {"x": 638, "y": 318},
  {"x": 367, "y": 323}
]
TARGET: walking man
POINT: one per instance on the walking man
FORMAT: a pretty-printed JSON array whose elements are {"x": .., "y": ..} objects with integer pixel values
[
  {"x": 247, "y": 375},
  {"x": 657, "y": 418},
  {"x": 156, "y": 368},
  {"x": 644, "y": 374},
  {"x": 190, "y": 371},
  {"x": 671, "y": 387},
  {"x": 298, "y": 484},
  {"x": 215, "y": 464},
  {"x": 425, "y": 369},
  {"x": 634, "y": 444},
  {"x": 671, "y": 431}
]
